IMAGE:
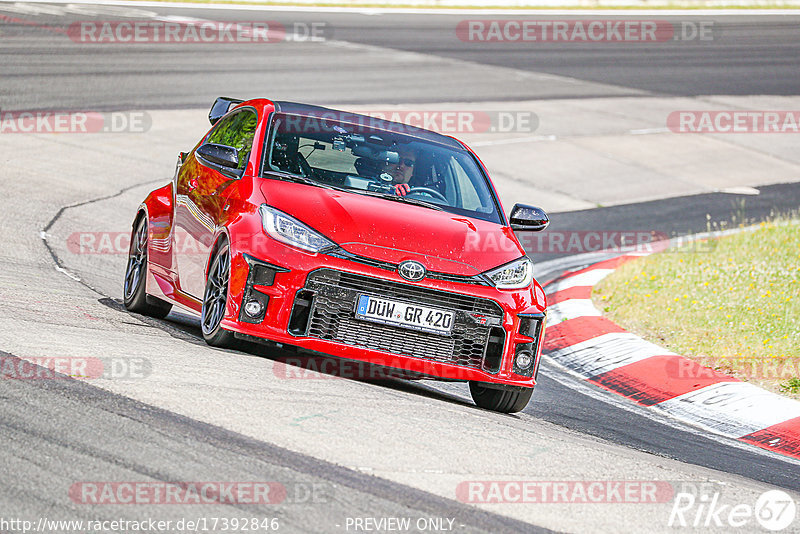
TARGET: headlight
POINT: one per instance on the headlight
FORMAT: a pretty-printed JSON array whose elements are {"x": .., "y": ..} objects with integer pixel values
[
  {"x": 289, "y": 230},
  {"x": 514, "y": 275}
]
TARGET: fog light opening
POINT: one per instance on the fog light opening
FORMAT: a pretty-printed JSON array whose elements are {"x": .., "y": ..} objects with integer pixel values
[
  {"x": 253, "y": 308},
  {"x": 524, "y": 360}
]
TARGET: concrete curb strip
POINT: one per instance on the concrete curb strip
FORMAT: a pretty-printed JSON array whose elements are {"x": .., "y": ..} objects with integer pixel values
[{"x": 582, "y": 340}]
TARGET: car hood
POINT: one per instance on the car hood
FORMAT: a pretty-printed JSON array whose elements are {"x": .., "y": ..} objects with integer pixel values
[{"x": 393, "y": 232}]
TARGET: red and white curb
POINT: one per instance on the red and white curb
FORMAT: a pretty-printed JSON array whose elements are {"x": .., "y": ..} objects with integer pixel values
[{"x": 579, "y": 338}]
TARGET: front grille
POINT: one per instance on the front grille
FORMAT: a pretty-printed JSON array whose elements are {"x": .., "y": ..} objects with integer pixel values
[
  {"x": 388, "y": 266},
  {"x": 332, "y": 318}
]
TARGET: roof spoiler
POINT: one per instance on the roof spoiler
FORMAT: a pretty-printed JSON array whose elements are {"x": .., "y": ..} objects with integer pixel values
[{"x": 221, "y": 106}]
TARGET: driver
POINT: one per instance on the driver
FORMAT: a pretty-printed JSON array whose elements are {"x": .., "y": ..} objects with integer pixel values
[{"x": 402, "y": 171}]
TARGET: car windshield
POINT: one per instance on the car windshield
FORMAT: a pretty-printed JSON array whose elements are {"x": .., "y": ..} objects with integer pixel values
[{"x": 362, "y": 159}]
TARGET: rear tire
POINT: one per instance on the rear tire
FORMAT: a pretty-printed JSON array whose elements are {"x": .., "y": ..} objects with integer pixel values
[
  {"x": 215, "y": 300},
  {"x": 509, "y": 399},
  {"x": 134, "y": 291}
]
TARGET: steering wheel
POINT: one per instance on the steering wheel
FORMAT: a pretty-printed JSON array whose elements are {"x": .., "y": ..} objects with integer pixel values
[{"x": 428, "y": 191}]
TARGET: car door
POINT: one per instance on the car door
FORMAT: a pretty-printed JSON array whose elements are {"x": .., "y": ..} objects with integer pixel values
[{"x": 201, "y": 198}]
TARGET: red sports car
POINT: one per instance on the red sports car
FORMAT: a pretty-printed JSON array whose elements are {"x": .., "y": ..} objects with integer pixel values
[{"x": 346, "y": 235}]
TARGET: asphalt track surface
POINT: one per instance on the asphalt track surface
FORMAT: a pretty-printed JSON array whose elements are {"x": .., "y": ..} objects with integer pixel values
[
  {"x": 748, "y": 55},
  {"x": 61, "y": 422},
  {"x": 64, "y": 418}
]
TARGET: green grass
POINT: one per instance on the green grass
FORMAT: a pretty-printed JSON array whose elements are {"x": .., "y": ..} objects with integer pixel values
[
  {"x": 733, "y": 306},
  {"x": 791, "y": 386}
]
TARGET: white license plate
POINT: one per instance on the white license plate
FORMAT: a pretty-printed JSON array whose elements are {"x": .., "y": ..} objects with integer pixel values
[{"x": 413, "y": 316}]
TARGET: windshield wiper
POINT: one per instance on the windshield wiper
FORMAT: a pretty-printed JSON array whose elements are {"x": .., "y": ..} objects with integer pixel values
[
  {"x": 297, "y": 178},
  {"x": 407, "y": 200}
]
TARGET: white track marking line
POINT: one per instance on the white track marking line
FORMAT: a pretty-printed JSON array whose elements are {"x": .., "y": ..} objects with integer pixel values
[{"x": 647, "y": 131}]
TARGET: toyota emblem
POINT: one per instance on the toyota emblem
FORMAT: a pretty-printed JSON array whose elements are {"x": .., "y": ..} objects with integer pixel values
[{"x": 413, "y": 271}]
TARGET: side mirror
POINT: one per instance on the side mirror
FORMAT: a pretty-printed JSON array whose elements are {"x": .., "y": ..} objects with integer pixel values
[
  {"x": 222, "y": 155},
  {"x": 528, "y": 218}
]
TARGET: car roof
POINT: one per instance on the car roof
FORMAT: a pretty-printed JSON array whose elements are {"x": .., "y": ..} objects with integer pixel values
[{"x": 307, "y": 110}]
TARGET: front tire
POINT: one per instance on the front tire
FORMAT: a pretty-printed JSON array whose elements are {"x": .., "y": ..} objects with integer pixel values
[
  {"x": 503, "y": 399},
  {"x": 215, "y": 300},
  {"x": 134, "y": 288}
]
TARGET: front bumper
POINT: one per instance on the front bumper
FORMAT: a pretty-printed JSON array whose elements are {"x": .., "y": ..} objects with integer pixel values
[{"x": 308, "y": 301}]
